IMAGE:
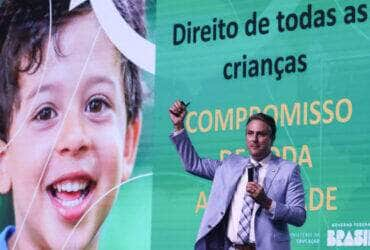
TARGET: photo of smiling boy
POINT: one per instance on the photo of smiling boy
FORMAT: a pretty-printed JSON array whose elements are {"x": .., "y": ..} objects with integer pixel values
[{"x": 69, "y": 120}]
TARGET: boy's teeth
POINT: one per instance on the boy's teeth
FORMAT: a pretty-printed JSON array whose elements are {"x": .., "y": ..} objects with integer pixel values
[
  {"x": 70, "y": 186},
  {"x": 72, "y": 203}
]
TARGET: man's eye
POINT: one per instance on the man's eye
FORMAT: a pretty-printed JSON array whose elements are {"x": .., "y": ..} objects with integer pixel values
[
  {"x": 96, "y": 105},
  {"x": 263, "y": 134},
  {"x": 46, "y": 113}
]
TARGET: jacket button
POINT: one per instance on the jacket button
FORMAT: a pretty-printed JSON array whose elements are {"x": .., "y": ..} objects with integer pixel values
[
  {"x": 222, "y": 213},
  {"x": 209, "y": 226}
]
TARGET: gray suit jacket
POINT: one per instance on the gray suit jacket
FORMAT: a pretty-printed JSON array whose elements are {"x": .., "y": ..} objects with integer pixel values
[{"x": 283, "y": 184}]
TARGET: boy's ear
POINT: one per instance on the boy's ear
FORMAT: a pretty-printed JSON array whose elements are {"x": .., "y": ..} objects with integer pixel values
[
  {"x": 5, "y": 181},
  {"x": 131, "y": 143}
]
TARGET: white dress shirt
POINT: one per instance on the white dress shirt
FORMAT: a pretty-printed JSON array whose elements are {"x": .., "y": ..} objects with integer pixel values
[{"x": 238, "y": 202}]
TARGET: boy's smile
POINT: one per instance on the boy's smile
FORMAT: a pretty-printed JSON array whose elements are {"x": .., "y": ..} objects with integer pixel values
[
  {"x": 71, "y": 194},
  {"x": 74, "y": 144}
]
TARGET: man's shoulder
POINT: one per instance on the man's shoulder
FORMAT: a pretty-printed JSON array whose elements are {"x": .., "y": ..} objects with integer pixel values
[{"x": 286, "y": 164}]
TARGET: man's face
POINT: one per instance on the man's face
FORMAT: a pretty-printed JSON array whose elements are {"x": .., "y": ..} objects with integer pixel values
[
  {"x": 258, "y": 139},
  {"x": 73, "y": 145}
]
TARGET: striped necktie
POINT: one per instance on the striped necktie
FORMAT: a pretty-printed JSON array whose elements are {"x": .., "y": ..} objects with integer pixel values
[{"x": 246, "y": 217}]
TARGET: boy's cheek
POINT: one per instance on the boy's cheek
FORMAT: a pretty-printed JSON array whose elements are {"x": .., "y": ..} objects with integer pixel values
[
  {"x": 27, "y": 159},
  {"x": 109, "y": 149},
  {"x": 133, "y": 132}
]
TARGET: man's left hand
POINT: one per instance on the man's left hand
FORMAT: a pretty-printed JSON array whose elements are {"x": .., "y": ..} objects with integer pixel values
[{"x": 258, "y": 194}]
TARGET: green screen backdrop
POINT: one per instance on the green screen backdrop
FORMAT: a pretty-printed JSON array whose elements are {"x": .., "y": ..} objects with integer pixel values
[{"x": 306, "y": 63}]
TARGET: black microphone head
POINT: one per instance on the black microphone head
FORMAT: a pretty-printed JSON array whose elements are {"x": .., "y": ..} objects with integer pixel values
[{"x": 250, "y": 174}]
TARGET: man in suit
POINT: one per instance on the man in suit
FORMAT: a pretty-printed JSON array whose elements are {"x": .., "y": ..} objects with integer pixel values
[{"x": 245, "y": 212}]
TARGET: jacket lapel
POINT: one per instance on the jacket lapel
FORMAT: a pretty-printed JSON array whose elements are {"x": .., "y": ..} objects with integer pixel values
[
  {"x": 230, "y": 178},
  {"x": 224, "y": 190},
  {"x": 272, "y": 169},
  {"x": 234, "y": 176}
]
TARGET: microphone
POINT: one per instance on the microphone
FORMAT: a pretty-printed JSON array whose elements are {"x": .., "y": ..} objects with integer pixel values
[
  {"x": 185, "y": 106},
  {"x": 250, "y": 174}
]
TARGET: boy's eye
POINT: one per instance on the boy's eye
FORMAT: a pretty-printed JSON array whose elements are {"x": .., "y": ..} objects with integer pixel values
[
  {"x": 96, "y": 105},
  {"x": 45, "y": 114}
]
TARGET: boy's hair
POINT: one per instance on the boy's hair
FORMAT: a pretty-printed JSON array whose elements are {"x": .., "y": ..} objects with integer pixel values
[
  {"x": 24, "y": 28},
  {"x": 266, "y": 119}
]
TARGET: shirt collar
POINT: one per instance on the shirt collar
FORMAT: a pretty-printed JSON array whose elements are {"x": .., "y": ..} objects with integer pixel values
[
  {"x": 5, "y": 236},
  {"x": 263, "y": 162}
]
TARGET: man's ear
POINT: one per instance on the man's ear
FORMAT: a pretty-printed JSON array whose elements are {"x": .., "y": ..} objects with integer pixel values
[
  {"x": 131, "y": 144},
  {"x": 5, "y": 181}
]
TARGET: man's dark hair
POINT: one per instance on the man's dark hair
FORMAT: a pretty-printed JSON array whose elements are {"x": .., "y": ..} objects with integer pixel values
[
  {"x": 266, "y": 119},
  {"x": 24, "y": 28}
]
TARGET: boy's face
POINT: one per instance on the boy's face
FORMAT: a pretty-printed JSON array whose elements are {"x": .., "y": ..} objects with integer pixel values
[{"x": 84, "y": 155}]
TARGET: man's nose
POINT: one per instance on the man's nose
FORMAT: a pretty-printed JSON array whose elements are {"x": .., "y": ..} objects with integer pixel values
[
  {"x": 73, "y": 139},
  {"x": 254, "y": 137}
]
